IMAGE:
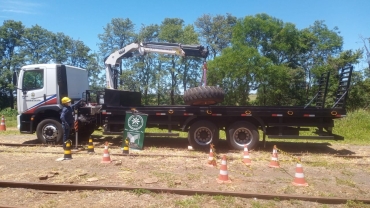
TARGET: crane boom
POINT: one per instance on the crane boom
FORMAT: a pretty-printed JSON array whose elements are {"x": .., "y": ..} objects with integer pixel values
[{"x": 133, "y": 49}]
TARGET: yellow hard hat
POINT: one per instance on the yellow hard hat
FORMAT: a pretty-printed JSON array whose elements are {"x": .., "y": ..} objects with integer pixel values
[{"x": 66, "y": 100}]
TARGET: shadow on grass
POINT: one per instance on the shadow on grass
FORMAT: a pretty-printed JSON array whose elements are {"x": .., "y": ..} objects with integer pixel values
[
  {"x": 222, "y": 147},
  {"x": 303, "y": 147},
  {"x": 33, "y": 141}
]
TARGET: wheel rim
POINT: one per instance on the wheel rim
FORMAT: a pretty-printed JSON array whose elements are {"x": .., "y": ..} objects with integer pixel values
[
  {"x": 50, "y": 133},
  {"x": 242, "y": 136},
  {"x": 203, "y": 136}
]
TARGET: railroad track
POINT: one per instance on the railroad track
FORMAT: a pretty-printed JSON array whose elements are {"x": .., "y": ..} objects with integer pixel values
[
  {"x": 116, "y": 147},
  {"x": 55, "y": 188},
  {"x": 83, "y": 152}
]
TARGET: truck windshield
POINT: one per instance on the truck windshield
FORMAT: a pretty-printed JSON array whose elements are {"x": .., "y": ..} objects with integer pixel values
[{"x": 33, "y": 79}]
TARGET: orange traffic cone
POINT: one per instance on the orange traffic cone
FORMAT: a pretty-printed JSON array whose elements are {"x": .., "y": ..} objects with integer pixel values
[
  {"x": 223, "y": 177},
  {"x": 2, "y": 125},
  {"x": 106, "y": 156},
  {"x": 246, "y": 159},
  {"x": 274, "y": 159},
  {"x": 211, "y": 159},
  {"x": 299, "y": 176}
]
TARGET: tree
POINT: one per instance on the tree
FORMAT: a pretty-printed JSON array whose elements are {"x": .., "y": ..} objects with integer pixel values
[
  {"x": 118, "y": 33},
  {"x": 280, "y": 43},
  {"x": 36, "y": 49},
  {"x": 11, "y": 33},
  {"x": 236, "y": 71},
  {"x": 190, "y": 67},
  {"x": 334, "y": 64},
  {"x": 94, "y": 72},
  {"x": 173, "y": 30},
  {"x": 78, "y": 54},
  {"x": 60, "y": 44},
  {"x": 215, "y": 31},
  {"x": 145, "y": 66}
]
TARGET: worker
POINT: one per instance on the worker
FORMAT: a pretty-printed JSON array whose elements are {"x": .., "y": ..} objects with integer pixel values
[{"x": 67, "y": 117}]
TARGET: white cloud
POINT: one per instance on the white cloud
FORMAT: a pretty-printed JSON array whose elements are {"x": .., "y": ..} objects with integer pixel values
[
  {"x": 17, "y": 11},
  {"x": 19, "y": 7}
]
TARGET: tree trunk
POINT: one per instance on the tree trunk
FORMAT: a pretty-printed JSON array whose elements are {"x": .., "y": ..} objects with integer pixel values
[{"x": 11, "y": 99}]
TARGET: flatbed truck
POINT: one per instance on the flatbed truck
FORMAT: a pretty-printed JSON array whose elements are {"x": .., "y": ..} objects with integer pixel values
[{"x": 39, "y": 106}]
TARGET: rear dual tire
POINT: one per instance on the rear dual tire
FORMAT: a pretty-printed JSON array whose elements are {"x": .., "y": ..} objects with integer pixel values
[
  {"x": 242, "y": 133},
  {"x": 203, "y": 133}
]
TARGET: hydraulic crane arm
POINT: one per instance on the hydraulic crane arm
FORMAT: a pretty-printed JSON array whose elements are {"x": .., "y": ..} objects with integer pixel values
[{"x": 134, "y": 49}]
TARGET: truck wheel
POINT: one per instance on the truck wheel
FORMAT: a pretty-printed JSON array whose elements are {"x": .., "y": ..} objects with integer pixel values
[
  {"x": 49, "y": 130},
  {"x": 202, "y": 134},
  {"x": 204, "y": 95},
  {"x": 242, "y": 133}
]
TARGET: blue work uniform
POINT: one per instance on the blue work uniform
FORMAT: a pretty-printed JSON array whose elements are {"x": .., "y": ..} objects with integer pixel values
[{"x": 67, "y": 120}]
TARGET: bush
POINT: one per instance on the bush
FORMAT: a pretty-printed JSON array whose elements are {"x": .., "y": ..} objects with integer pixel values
[{"x": 8, "y": 112}]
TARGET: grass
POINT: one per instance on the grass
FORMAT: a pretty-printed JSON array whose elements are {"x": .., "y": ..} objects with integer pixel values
[
  {"x": 354, "y": 204},
  {"x": 355, "y": 128},
  {"x": 141, "y": 191},
  {"x": 345, "y": 182}
]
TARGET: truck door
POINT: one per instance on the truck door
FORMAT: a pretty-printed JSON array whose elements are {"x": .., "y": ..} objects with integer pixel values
[{"x": 33, "y": 89}]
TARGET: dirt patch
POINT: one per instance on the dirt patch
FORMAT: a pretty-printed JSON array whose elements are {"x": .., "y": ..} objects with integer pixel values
[{"x": 327, "y": 176}]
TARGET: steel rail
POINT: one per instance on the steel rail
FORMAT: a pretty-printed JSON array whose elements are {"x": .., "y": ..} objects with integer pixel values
[
  {"x": 186, "y": 156},
  {"x": 119, "y": 154},
  {"x": 157, "y": 155},
  {"x": 171, "y": 155},
  {"x": 75, "y": 187},
  {"x": 113, "y": 147},
  {"x": 42, "y": 145}
]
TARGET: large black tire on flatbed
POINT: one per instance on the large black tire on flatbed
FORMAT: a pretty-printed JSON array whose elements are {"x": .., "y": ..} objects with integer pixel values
[{"x": 204, "y": 95}]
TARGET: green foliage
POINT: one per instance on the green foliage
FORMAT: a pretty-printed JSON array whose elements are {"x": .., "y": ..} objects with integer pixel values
[
  {"x": 10, "y": 116},
  {"x": 144, "y": 69},
  {"x": 8, "y": 112},
  {"x": 141, "y": 191},
  {"x": 11, "y": 33},
  {"x": 178, "y": 69},
  {"x": 355, "y": 204},
  {"x": 276, "y": 90},
  {"x": 37, "y": 41},
  {"x": 297, "y": 58},
  {"x": 238, "y": 82},
  {"x": 355, "y": 128},
  {"x": 193, "y": 202},
  {"x": 118, "y": 33},
  {"x": 216, "y": 31}
]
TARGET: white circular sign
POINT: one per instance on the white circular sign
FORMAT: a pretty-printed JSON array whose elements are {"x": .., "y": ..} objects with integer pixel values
[{"x": 135, "y": 122}]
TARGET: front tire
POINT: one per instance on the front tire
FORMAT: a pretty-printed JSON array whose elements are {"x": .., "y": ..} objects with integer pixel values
[
  {"x": 242, "y": 133},
  {"x": 202, "y": 134},
  {"x": 49, "y": 131}
]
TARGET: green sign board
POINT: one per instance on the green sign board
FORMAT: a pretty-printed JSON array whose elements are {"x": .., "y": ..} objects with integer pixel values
[{"x": 135, "y": 124}]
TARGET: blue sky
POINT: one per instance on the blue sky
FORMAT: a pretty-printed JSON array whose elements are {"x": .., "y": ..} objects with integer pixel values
[{"x": 84, "y": 20}]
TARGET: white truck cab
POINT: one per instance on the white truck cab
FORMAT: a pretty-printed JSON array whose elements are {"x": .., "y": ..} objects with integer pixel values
[{"x": 40, "y": 88}]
